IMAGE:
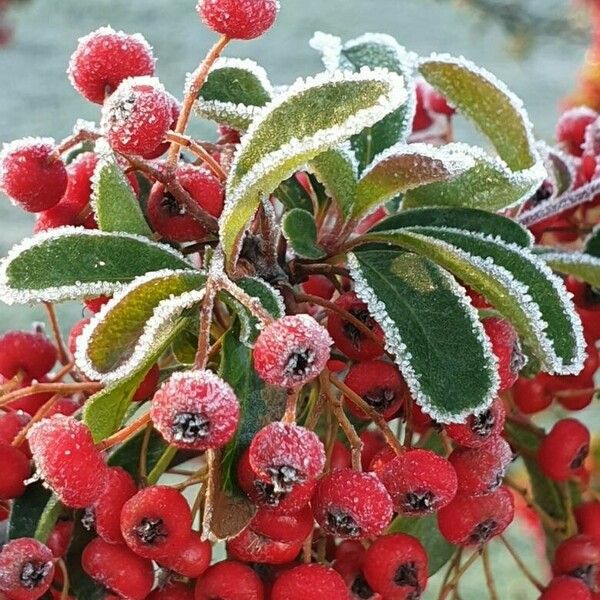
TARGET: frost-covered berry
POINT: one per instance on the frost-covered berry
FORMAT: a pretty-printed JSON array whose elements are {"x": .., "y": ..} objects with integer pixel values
[
  {"x": 561, "y": 588},
  {"x": 62, "y": 215},
  {"x": 238, "y": 19},
  {"x": 74, "y": 334},
  {"x": 229, "y": 580},
  {"x": 570, "y": 129},
  {"x": 291, "y": 351},
  {"x": 119, "y": 569},
  {"x": 395, "y": 566},
  {"x": 531, "y": 396},
  {"x": 283, "y": 528},
  {"x": 137, "y": 116},
  {"x": 192, "y": 557},
  {"x": 156, "y": 522},
  {"x": 26, "y": 569},
  {"x": 195, "y": 410},
  {"x": 68, "y": 461},
  {"x": 173, "y": 590},
  {"x": 33, "y": 354},
  {"x": 351, "y": 504},
  {"x": 419, "y": 481},
  {"x": 479, "y": 429},
  {"x": 563, "y": 451},
  {"x": 379, "y": 384},
  {"x": 104, "y": 58},
  {"x": 506, "y": 348},
  {"x": 310, "y": 582},
  {"x": 15, "y": 471},
  {"x": 474, "y": 520},
  {"x": 30, "y": 176},
  {"x": 578, "y": 556},
  {"x": 249, "y": 546}
]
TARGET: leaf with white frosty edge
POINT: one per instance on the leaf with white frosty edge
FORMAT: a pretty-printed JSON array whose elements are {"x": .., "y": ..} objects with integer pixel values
[
  {"x": 581, "y": 265},
  {"x": 71, "y": 262},
  {"x": 312, "y": 116},
  {"x": 120, "y": 337},
  {"x": 300, "y": 230},
  {"x": 592, "y": 242},
  {"x": 406, "y": 166},
  {"x": 431, "y": 329}
]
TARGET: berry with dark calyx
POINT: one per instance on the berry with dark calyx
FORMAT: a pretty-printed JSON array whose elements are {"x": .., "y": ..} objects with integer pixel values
[
  {"x": 506, "y": 348},
  {"x": 195, "y": 410},
  {"x": 156, "y": 522},
  {"x": 310, "y": 582},
  {"x": 26, "y": 569},
  {"x": 349, "y": 558},
  {"x": 579, "y": 557},
  {"x": 119, "y": 569},
  {"x": 60, "y": 538},
  {"x": 174, "y": 590},
  {"x": 291, "y": 351},
  {"x": 33, "y": 354},
  {"x": 479, "y": 429},
  {"x": 229, "y": 580},
  {"x": 570, "y": 130},
  {"x": 480, "y": 470},
  {"x": 281, "y": 527},
  {"x": 379, "y": 384},
  {"x": 531, "y": 396},
  {"x": 238, "y": 19},
  {"x": 320, "y": 286},
  {"x": 419, "y": 481},
  {"x": 474, "y": 520},
  {"x": 148, "y": 385},
  {"x": 347, "y": 337},
  {"x": 67, "y": 459},
  {"x": 14, "y": 473},
  {"x": 396, "y": 567},
  {"x": 587, "y": 516},
  {"x": 192, "y": 557},
  {"x": 249, "y": 546},
  {"x": 563, "y": 451},
  {"x": 30, "y": 175},
  {"x": 561, "y": 588},
  {"x": 104, "y": 58},
  {"x": 351, "y": 504}
]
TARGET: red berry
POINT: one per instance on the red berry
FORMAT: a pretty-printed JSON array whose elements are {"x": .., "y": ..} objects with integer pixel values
[
  {"x": 320, "y": 286},
  {"x": 588, "y": 518},
  {"x": 229, "y": 580},
  {"x": 531, "y": 396},
  {"x": 249, "y": 546},
  {"x": 347, "y": 337},
  {"x": 283, "y": 528},
  {"x": 381, "y": 459},
  {"x": 481, "y": 428},
  {"x": 67, "y": 459},
  {"x": 30, "y": 176},
  {"x": 148, "y": 385},
  {"x": 30, "y": 403},
  {"x": 480, "y": 470},
  {"x": 422, "y": 119},
  {"x": 137, "y": 116},
  {"x": 74, "y": 334},
  {"x": 474, "y": 520},
  {"x": 419, "y": 481},
  {"x": 310, "y": 582},
  {"x": 373, "y": 442},
  {"x": 379, "y": 384},
  {"x": 570, "y": 130},
  {"x": 578, "y": 556},
  {"x": 95, "y": 304},
  {"x": 506, "y": 348},
  {"x": 561, "y": 588},
  {"x": 584, "y": 379},
  {"x": 175, "y": 110},
  {"x": 563, "y": 450},
  {"x": 16, "y": 470},
  {"x": 60, "y": 538},
  {"x": 192, "y": 557},
  {"x": 437, "y": 103},
  {"x": 238, "y": 19},
  {"x": 341, "y": 457},
  {"x": 396, "y": 567},
  {"x": 26, "y": 569},
  {"x": 63, "y": 214},
  {"x": 33, "y": 354},
  {"x": 104, "y": 58},
  {"x": 174, "y": 590},
  {"x": 350, "y": 504},
  {"x": 291, "y": 351},
  {"x": 195, "y": 410},
  {"x": 117, "y": 568},
  {"x": 11, "y": 424}
]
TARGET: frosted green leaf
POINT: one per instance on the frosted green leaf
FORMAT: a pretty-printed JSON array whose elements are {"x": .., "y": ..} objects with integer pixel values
[
  {"x": 581, "y": 265},
  {"x": 300, "y": 230}
]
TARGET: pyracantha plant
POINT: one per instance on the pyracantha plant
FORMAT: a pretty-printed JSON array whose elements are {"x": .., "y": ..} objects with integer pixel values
[{"x": 316, "y": 340}]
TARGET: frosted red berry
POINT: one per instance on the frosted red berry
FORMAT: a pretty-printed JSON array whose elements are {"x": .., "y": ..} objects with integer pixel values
[
  {"x": 506, "y": 348},
  {"x": 174, "y": 590},
  {"x": 11, "y": 423},
  {"x": 61, "y": 215},
  {"x": 561, "y": 588},
  {"x": 16, "y": 470},
  {"x": 67, "y": 459},
  {"x": 579, "y": 557},
  {"x": 588, "y": 518},
  {"x": 310, "y": 582},
  {"x": 32, "y": 354},
  {"x": 347, "y": 337},
  {"x": 104, "y": 58},
  {"x": 26, "y": 569},
  {"x": 351, "y": 504},
  {"x": 379, "y": 384},
  {"x": 74, "y": 334},
  {"x": 195, "y": 410},
  {"x": 191, "y": 558},
  {"x": 474, "y": 520},
  {"x": 395, "y": 566},
  {"x": 238, "y": 19},
  {"x": 119, "y": 569},
  {"x": 31, "y": 176},
  {"x": 249, "y": 546},
  {"x": 570, "y": 130},
  {"x": 291, "y": 351},
  {"x": 531, "y": 396},
  {"x": 283, "y": 528},
  {"x": 229, "y": 580},
  {"x": 563, "y": 451},
  {"x": 419, "y": 481},
  {"x": 148, "y": 385},
  {"x": 479, "y": 429}
]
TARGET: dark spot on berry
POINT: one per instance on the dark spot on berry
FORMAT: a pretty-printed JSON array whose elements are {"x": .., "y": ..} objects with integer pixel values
[
  {"x": 88, "y": 520},
  {"x": 483, "y": 532},
  {"x": 419, "y": 501},
  {"x": 266, "y": 493},
  {"x": 380, "y": 398},
  {"x": 151, "y": 531},
  {"x": 284, "y": 478},
  {"x": 170, "y": 206},
  {"x": 299, "y": 361},
  {"x": 483, "y": 423},
  {"x": 342, "y": 523},
  {"x": 407, "y": 575},
  {"x": 585, "y": 573},
  {"x": 580, "y": 457},
  {"x": 360, "y": 588},
  {"x": 189, "y": 427},
  {"x": 33, "y": 574},
  {"x": 352, "y": 332}
]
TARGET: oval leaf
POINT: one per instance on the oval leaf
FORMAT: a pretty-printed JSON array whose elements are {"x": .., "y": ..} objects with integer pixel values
[
  {"x": 583, "y": 266},
  {"x": 300, "y": 230}
]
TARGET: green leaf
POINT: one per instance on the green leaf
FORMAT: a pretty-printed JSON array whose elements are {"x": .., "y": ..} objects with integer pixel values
[
  {"x": 583, "y": 266},
  {"x": 27, "y": 510},
  {"x": 426, "y": 530},
  {"x": 479, "y": 95},
  {"x": 311, "y": 117},
  {"x": 127, "y": 456},
  {"x": 559, "y": 167},
  {"x": 404, "y": 167},
  {"x": 70, "y": 262},
  {"x": 82, "y": 586},
  {"x": 467, "y": 219},
  {"x": 592, "y": 243},
  {"x": 489, "y": 185},
  {"x": 114, "y": 202},
  {"x": 48, "y": 518},
  {"x": 234, "y": 90},
  {"x": 432, "y": 330},
  {"x": 300, "y": 230},
  {"x": 292, "y": 195}
]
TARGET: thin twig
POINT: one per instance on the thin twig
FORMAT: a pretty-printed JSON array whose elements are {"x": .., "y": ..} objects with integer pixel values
[
  {"x": 199, "y": 151},
  {"x": 206, "y": 313},
  {"x": 489, "y": 576},
  {"x": 291, "y": 406},
  {"x": 252, "y": 304},
  {"x": 63, "y": 356},
  {"x": 65, "y": 575},
  {"x": 211, "y": 490},
  {"x": 39, "y": 415},
  {"x": 143, "y": 463},
  {"x": 124, "y": 434},
  {"x": 459, "y": 573},
  {"x": 61, "y": 388},
  {"x": 520, "y": 563}
]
